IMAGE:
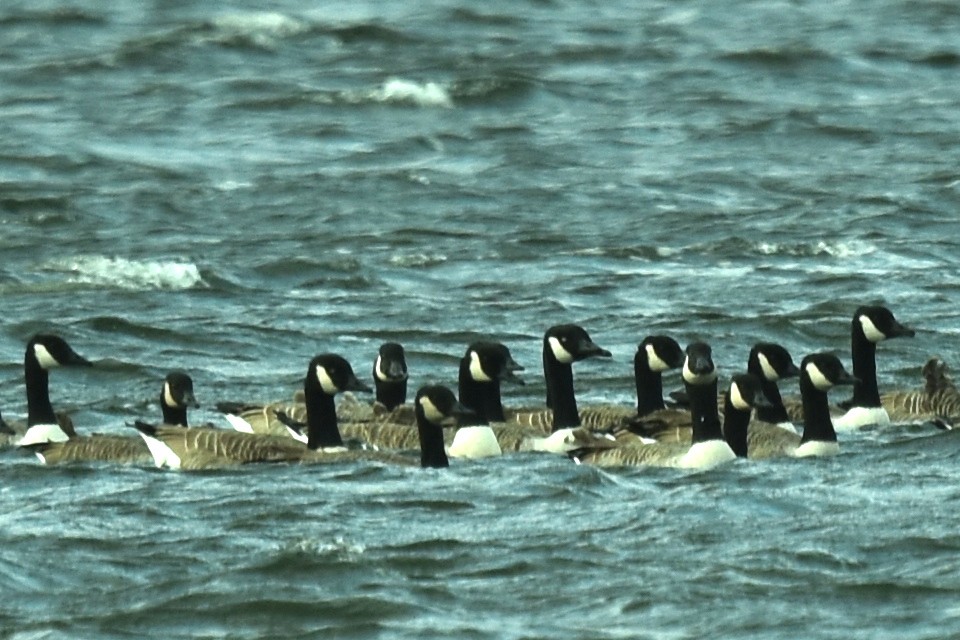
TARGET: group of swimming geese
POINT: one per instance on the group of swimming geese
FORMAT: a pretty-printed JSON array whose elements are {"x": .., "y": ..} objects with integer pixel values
[{"x": 757, "y": 421}]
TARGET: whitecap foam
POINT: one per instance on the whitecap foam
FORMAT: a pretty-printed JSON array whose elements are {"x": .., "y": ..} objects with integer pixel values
[
  {"x": 429, "y": 94},
  {"x": 262, "y": 23},
  {"x": 417, "y": 260},
  {"x": 836, "y": 249},
  {"x": 337, "y": 547},
  {"x": 232, "y": 185},
  {"x": 128, "y": 274}
]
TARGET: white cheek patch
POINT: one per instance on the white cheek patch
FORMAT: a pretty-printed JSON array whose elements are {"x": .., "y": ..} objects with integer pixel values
[
  {"x": 697, "y": 378},
  {"x": 44, "y": 358},
  {"x": 816, "y": 376},
  {"x": 870, "y": 330},
  {"x": 430, "y": 411},
  {"x": 476, "y": 368},
  {"x": 381, "y": 376},
  {"x": 168, "y": 398},
  {"x": 736, "y": 398},
  {"x": 559, "y": 352},
  {"x": 654, "y": 361},
  {"x": 769, "y": 372},
  {"x": 326, "y": 382}
]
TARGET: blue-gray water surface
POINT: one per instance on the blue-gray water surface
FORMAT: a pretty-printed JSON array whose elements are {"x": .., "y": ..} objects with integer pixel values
[{"x": 230, "y": 188}]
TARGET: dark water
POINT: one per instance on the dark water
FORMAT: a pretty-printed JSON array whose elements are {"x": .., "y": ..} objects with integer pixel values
[{"x": 230, "y": 188}]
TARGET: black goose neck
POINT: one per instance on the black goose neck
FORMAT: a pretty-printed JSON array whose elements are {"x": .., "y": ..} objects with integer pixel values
[
  {"x": 864, "y": 353},
  {"x": 482, "y": 398},
  {"x": 37, "y": 382},
  {"x": 432, "y": 452},
  {"x": 703, "y": 411},
  {"x": 492, "y": 405},
  {"x": 735, "y": 426},
  {"x": 775, "y": 413},
  {"x": 560, "y": 393},
  {"x": 391, "y": 393},
  {"x": 322, "y": 427},
  {"x": 649, "y": 386},
  {"x": 547, "y": 372},
  {"x": 173, "y": 415},
  {"x": 817, "y": 424}
]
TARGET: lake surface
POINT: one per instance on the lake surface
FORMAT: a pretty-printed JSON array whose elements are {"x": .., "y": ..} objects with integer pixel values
[{"x": 231, "y": 188}]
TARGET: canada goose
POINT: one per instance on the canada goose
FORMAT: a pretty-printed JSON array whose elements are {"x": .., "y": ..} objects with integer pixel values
[
  {"x": 563, "y": 345},
  {"x": 654, "y": 421},
  {"x": 435, "y": 407},
  {"x": 819, "y": 372},
  {"x": 175, "y": 397},
  {"x": 45, "y": 352},
  {"x": 390, "y": 376},
  {"x": 483, "y": 367},
  {"x": 770, "y": 362},
  {"x": 745, "y": 393},
  {"x": 937, "y": 402},
  {"x": 708, "y": 448},
  {"x": 327, "y": 375},
  {"x": 655, "y": 355},
  {"x": 870, "y": 325}
]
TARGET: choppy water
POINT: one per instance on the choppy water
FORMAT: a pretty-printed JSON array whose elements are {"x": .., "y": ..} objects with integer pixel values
[{"x": 230, "y": 188}]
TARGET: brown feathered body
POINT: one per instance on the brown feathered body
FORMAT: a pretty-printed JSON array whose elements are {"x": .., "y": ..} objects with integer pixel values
[
  {"x": 595, "y": 417},
  {"x": 97, "y": 448},
  {"x": 206, "y": 448},
  {"x": 263, "y": 418}
]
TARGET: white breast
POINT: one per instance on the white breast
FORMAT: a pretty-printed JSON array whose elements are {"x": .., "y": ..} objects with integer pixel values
[
  {"x": 859, "y": 417},
  {"x": 704, "y": 455},
  {"x": 816, "y": 448},
  {"x": 474, "y": 442},
  {"x": 40, "y": 433}
]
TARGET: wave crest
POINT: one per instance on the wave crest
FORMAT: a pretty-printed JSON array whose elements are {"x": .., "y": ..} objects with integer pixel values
[
  {"x": 429, "y": 94},
  {"x": 128, "y": 274},
  {"x": 258, "y": 24},
  {"x": 836, "y": 249}
]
